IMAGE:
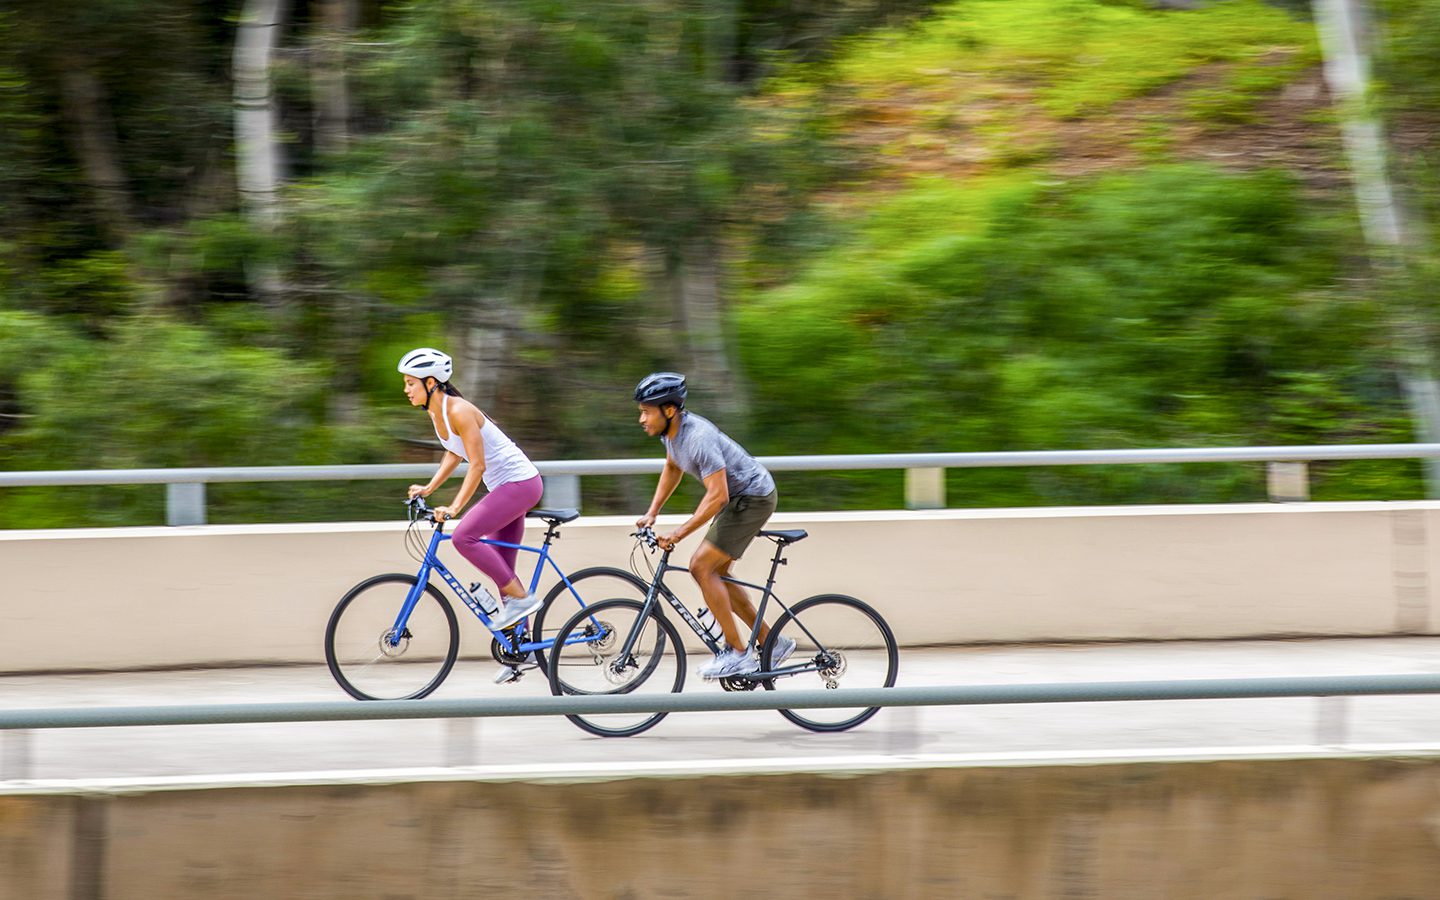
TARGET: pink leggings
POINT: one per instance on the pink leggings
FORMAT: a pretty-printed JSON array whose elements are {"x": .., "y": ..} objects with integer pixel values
[{"x": 499, "y": 515}]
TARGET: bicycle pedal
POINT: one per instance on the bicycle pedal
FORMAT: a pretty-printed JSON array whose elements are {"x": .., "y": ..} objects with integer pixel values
[{"x": 509, "y": 675}]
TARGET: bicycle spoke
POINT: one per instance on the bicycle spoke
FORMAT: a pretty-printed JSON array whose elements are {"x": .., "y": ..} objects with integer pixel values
[
  {"x": 363, "y": 659},
  {"x": 589, "y": 658},
  {"x": 840, "y": 643}
]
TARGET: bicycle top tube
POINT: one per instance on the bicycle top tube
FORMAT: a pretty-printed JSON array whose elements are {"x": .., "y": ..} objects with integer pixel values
[{"x": 495, "y": 543}]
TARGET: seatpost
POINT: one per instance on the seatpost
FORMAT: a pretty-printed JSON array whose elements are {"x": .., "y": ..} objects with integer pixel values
[{"x": 775, "y": 564}]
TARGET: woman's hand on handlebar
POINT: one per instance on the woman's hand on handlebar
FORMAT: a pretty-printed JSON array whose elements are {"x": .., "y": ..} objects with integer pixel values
[
  {"x": 419, "y": 509},
  {"x": 419, "y": 490}
]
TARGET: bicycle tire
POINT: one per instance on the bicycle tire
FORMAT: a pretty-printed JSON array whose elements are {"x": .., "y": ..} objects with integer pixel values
[
  {"x": 592, "y": 574},
  {"x": 353, "y": 644},
  {"x": 859, "y": 635},
  {"x": 582, "y": 667}
]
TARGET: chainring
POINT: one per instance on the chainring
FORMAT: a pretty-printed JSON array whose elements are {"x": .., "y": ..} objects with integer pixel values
[
  {"x": 508, "y": 657},
  {"x": 738, "y": 683}
]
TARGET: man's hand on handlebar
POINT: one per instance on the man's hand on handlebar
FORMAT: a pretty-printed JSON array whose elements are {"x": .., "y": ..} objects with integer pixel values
[{"x": 647, "y": 536}]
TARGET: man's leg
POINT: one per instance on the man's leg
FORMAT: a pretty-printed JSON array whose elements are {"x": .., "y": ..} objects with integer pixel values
[
  {"x": 707, "y": 567},
  {"x": 742, "y": 605}
]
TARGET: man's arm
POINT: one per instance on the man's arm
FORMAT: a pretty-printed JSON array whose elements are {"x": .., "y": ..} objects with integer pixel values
[
  {"x": 669, "y": 480},
  {"x": 717, "y": 494}
]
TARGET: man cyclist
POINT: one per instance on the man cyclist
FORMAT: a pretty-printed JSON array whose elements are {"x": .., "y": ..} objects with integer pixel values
[{"x": 740, "y": 497}]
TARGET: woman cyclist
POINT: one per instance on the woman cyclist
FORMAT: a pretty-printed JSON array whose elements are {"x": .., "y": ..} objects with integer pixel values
[{"x": 512, "y": 482}]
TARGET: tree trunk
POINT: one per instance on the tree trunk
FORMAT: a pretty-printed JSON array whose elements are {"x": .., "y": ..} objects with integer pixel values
[
  {"x": 332, "y": 90},
  {"x": 1342, "y": 25},
  {"x": 96, "y": 148},
  {"x": 692, "y": 277},
  {"x": 258, "y": 159}
]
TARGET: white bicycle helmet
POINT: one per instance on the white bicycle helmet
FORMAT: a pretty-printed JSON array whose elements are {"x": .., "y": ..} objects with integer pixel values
[{"x": 427, "y": 362}]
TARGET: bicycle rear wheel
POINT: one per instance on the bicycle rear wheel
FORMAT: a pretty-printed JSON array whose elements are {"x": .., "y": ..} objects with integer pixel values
[
  {"x": 370, "y": 660},
  {"x": 840, "y": 642},
  {"x": 594, "y": 583},
  {"x": 586, "y": 660}
]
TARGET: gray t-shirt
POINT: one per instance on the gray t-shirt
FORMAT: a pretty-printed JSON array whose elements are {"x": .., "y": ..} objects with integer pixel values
[{"x": 702, "y": 450}]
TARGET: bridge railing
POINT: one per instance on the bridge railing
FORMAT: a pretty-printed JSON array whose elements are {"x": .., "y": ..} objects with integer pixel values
[
  {"x": 1287, "y": 470},
  {"x": 16, "y": 725}
]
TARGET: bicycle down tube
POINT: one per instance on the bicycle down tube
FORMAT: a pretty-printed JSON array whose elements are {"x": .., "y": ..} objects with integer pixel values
[{"x": 432, "y": 563}]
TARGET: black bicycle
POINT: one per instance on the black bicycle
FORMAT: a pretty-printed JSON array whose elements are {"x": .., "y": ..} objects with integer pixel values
[{"x": 625, "y": 646}]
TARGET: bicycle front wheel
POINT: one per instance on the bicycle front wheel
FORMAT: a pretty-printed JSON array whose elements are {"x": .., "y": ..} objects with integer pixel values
[
  {"x": 586, "y": 586},
  {"x": 840, "y": 642},
  {"x": 588, "y": 658},
  {"x": 372, "y": 659}
]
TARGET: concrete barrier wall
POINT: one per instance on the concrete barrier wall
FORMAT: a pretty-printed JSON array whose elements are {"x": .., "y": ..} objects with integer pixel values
[
  {"x": 1336, "y": 829},
  {"x": 139, "y": 597}
]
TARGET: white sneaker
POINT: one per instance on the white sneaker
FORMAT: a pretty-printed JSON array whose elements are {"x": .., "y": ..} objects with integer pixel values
[
  {"x": 784, "y": 646},
  {"x": 729, "y": 662},
  {"x": 515, "y": 609},
  {"x": 509, "y": 674}
]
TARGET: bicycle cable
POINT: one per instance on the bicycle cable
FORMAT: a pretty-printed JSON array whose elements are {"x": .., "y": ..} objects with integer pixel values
[
  {"x": 635, "y": 548},
  {"x": 415, "y": 545}
]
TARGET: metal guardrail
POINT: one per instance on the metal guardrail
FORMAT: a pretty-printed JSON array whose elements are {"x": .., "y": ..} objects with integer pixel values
[
  {"x": 947, "y": 695},
  {"x": 16, "y": 724},
  {"x": 924, "y": 477}
]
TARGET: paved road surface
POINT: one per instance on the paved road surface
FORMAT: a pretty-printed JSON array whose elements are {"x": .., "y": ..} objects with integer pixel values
[{"x": 721, "y": 741}]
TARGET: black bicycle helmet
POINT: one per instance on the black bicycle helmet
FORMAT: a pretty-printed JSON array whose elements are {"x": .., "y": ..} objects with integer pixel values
[{"x": 660, "y": 388}]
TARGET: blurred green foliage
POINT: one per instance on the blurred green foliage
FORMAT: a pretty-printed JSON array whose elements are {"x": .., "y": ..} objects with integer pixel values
[
  {"x": 1171, "y": 306},
  {"x": 546, "y": 178},
  {"x": 156, "y": 393}
]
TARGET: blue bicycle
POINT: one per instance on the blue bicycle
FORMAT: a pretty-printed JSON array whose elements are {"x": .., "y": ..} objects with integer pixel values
[{"x": 395, "y": 637}]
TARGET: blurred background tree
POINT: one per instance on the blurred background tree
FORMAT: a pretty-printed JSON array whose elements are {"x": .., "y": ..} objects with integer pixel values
[{"x": 860, "y": 225}]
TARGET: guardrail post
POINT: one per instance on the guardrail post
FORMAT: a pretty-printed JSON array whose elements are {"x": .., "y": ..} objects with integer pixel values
[
  {"x": 185, "y": 503},
  {"x": 1331, "y": 721},
  {"x": 925, "y": 488},
  {"x": 1288, "y": 481},
  {"x": 460, "y": 743},
  {"x": 15, "y": 755},
  {"x": 561, "y": 492}
]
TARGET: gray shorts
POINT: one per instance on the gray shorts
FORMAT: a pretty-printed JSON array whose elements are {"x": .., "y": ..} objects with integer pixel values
[{"x": 737, "y": 524}]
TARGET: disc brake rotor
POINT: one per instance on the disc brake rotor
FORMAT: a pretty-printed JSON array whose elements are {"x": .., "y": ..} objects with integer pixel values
[
  {"x": 395, "y": 649},
  {"x": 833, "y": 665},
  {"x": 603, "y": 643}
]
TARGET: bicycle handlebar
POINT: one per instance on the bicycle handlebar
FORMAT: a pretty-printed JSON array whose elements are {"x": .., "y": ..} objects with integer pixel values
[
  {"x": 419, "y": 510},
  {"x": 648, "y": 537}
]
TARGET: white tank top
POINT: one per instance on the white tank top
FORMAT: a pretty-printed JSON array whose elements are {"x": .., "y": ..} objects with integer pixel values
[{"x": 504, "y": 462}]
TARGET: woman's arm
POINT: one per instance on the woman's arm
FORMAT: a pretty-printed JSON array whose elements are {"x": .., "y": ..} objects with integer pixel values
[
  {"x": 447, "y": 467},
  {"x": 467, "y": 425}
]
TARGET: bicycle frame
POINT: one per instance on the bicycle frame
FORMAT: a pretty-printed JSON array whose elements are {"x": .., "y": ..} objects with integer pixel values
[
  {"x": 767, "y": 591},
  {"x": 431, "y": 563}
]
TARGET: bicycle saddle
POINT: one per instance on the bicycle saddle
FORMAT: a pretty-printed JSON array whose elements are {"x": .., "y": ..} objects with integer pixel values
[
  {"x": 786, "y": 537},
  {"x": 554, "y": 516}
]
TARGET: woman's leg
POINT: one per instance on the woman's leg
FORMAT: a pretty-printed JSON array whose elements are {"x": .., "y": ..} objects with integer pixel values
[{"x": 499, "y": 514}]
